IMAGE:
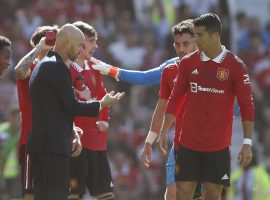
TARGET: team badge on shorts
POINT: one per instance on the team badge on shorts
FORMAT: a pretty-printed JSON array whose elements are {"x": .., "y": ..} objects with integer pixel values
[
  {"x": 177, "y": 169},
  {"x": 73, "y": 182},
  {"x": 222, "y": 74}
]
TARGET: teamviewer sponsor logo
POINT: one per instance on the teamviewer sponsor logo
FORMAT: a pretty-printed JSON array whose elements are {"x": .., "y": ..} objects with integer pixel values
[{"x": 194, "y": 87}]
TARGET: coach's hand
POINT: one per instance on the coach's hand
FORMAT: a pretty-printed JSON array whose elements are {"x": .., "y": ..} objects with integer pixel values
[
  {"x": 245, "y": 155},
  {"x": 110, "y": 99},
  {"x": 77, "y": 131},
  {"x": 76, "y": 147},
  {"x": 163, "y": 143}
]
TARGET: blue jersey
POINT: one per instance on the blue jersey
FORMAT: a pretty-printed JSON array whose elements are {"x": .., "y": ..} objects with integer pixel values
[{"x": 151, "y": 76}]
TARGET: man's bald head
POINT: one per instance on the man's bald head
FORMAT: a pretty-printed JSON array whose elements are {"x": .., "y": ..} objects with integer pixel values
[
  {"x": 69, "y": 40},
  {"x": 69, "y": 32}
]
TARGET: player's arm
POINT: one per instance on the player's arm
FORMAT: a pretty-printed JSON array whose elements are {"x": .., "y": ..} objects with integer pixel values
[
  {"x": 242, "y": 88},
  {"x": 175, "y": 102},
  {"x": 22, "y": 69},
  {"x": 151, "y": 76},
  {"x": 131, "y": 76},
  {"x": 153, "y": 133}
]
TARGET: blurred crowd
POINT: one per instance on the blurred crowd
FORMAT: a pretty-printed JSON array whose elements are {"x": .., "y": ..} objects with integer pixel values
[{"x": 132, "y": 34}]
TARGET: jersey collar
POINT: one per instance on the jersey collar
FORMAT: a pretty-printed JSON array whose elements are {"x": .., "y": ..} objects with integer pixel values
[{"x": 217, "y": 59}]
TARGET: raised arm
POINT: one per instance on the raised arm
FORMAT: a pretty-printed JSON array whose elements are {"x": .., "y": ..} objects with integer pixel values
[
  {"x": 141, "y": 77},
  {"x": 22, "y": 69},
  {"x": 136, "y": 77}
]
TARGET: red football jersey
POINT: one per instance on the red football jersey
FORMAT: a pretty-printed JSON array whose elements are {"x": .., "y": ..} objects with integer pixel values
[
  {"x": 25, "y": 107},
  {"x": 88, "y": 85},
  {"x": 168, "y": 79},
  {"x": 211, "y": 86}
]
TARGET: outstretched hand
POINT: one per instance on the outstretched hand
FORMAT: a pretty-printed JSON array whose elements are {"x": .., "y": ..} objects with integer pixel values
[
  {"x": 107, "y": 69},
  {"x": 110, "y": 99}
]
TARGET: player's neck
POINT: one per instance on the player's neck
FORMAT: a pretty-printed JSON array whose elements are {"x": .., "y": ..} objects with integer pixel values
[
  {"x": 214, "y": 51},
  {"x": 80, "y": 62}
]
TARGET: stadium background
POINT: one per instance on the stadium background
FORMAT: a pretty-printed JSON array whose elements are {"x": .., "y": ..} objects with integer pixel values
[{"x": 135, "y": 34}]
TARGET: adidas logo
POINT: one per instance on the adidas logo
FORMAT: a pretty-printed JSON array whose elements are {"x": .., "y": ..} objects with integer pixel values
[
  {"x": 111, "y": 185},
  {"x": 225, "y": 177},
  {"x": 195, "y": 71}
]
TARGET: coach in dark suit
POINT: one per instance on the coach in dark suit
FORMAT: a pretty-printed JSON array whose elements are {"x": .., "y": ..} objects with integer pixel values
[{"x": 53, "y": 108}]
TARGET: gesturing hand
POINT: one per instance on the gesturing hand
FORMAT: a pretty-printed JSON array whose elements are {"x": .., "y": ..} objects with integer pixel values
[{"x": 110, "y": 99}]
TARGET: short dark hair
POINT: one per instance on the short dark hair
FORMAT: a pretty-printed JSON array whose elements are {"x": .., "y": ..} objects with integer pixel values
[
  {"x": 41, "y": 32},
  {"x": 210, "y": 21},
  {"x": 86, "y": 28},
  {"x": 4, "y": 42},
  {"x": 185, "y": 26}
]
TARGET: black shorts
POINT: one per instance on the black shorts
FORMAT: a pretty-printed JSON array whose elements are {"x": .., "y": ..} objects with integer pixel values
[
  {"x": 198, "y": 166},
  {"x": 90, "y": 169},
  {"x": 26, "y": 172}
]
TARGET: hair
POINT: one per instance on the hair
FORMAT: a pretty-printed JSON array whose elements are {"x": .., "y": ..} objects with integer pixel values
[
  {"x": 41, "y": 32},
  {"x": 185, "y": 26},
  {"x": 210, "y": 21},
  {"x": 4, "y": 42},
  {"x": 86, "y": 28}
]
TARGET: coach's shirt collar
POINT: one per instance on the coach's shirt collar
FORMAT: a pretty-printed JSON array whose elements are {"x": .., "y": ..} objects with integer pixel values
[{"x": 217, "y": 59}]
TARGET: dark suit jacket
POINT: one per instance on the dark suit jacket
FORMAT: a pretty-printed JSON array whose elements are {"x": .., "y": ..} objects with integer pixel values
[{"x": 53, "y": 107}]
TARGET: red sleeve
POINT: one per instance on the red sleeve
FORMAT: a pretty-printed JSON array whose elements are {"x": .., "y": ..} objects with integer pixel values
[
  {"x": 33, "y": 65},
  {"x": 101, "y": 91},
  {"x": 73, "y": 74},
  {"x": 164, "y": 91},
  {"x": 177, "y": 96},
  {"x": 242, "y": 88}
]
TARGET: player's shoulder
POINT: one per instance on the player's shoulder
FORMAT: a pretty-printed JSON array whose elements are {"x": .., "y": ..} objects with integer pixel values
[
  {"x": 169, "y": 62},
  {"x": 170, "y": 68},
  {"x": 234, "y": 60},
  {"x": 190, "y": 56}
]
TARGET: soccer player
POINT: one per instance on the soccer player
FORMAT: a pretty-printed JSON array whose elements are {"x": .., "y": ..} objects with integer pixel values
[
  {"x": 91, "y": 168},
  {"x": 5, "y": 53},
  {"x": 184, "y": 44},
  {"x": 23, "y": 71},
  {"x": 210, "y": 78}
]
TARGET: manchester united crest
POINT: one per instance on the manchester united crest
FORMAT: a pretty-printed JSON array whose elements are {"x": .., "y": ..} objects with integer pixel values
[
  {"x": 222, "y": 74},
  {"x": 177, "y": 169}
]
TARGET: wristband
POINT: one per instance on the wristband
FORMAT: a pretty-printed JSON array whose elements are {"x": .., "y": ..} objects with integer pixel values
[
  {"x": 247, "y": 141},
  {"x": 151, "y": 137},
  {"x": 113, "y": 71}
]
